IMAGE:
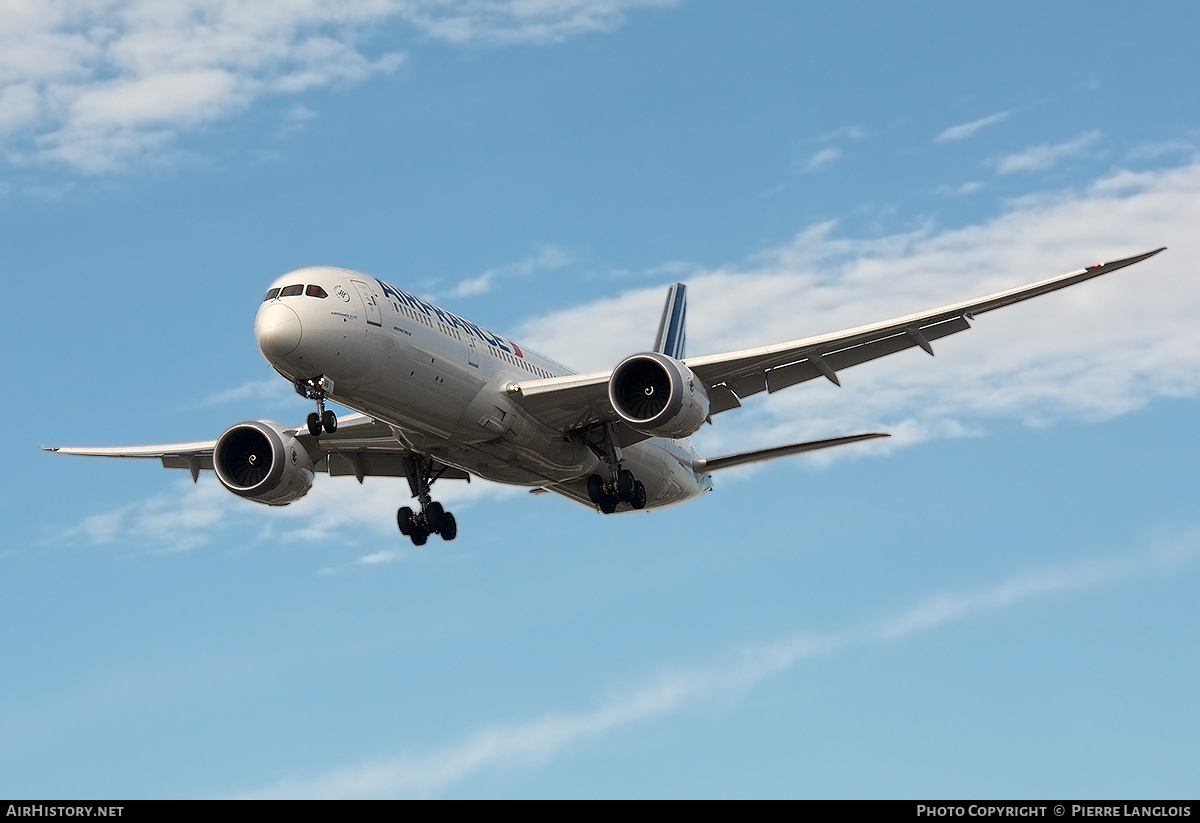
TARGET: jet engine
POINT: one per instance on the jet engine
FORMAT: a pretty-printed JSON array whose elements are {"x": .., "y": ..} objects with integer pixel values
[
  {"x": 658, "y": 395},
  {"x": 260, "y": 461}
]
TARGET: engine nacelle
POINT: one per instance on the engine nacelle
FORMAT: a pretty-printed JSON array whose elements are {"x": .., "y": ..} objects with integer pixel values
[
  {"x": 261, "y": 462},
  {"x": 658, "y": 395}
]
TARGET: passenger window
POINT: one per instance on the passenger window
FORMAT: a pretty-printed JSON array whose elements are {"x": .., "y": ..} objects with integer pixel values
[
  {"x": 315, "y": 291},
  {"x": 292, "y": 291},
  {"x": 271, "y": 295}
]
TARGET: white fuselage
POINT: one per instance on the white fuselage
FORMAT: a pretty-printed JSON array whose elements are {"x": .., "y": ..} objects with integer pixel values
[{"x": 441, "y": 383}]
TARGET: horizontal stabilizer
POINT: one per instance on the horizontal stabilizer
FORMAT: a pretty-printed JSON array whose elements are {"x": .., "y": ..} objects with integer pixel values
[{"x": 729, "y": 460}]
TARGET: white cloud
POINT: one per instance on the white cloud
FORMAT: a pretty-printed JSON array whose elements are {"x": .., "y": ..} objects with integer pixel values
[
  {"x": 180, "y": 520},
  {"x": 730, "y": 675},
  {"x": 846, "y": 133},
  {"x": 379, "y": 557},
  {"x": 545, "y": 258},
  {"x": 505, "y": 22},
  {"x": 187, "y": 516},
  {"x": 1038, "y": 158},
  {"x": 822, "y": 158},
  {"x": 961, "y": 190},
  {"x": 830, "y": 154},
  {"x": 962, "y": 131},
  {"x": 96, "y": 84},
  {"x": 1155, "y": 149},
  {"x": 272, "y": 392}
]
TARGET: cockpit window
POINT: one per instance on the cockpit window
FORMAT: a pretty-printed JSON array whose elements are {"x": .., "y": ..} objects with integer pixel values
[
  {"x": 292, "y": 291},
  {"x": 315, "y": 291},
  {"x": 271, "y": 295}
]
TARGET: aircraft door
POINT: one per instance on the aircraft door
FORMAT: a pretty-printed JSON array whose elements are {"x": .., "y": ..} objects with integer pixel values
[{"x": 374, "y": 316}]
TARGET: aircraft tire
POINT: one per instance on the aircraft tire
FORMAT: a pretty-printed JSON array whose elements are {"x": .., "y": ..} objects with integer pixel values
[
  {"x": 404, "y": 520},
  {"x": 449, "y": 527},
  {"x": 434, "y": 516},
  {"x": 638, "y": 501},
  {"x": 608, "y": 504},
  {"x": 595, "y": 486},
  {"x": 314, "y": 424},
  {"x": 419, "y": 537},
  {"x": 329, "y": 420},
  {"x": 625, "y": 485}
]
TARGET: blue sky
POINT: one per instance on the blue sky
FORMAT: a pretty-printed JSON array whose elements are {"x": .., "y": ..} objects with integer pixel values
[{"x": 997, "y": 601}]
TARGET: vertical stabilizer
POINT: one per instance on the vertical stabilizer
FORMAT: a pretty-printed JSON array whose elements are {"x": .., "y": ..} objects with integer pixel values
[{"x": 672, "y": 334}]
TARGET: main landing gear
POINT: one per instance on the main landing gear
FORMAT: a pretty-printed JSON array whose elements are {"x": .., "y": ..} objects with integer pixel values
[
  {"x": 622, "y": 488},
  {"x": 432, "y": 519},
  {"x": 318, "y": 388}
]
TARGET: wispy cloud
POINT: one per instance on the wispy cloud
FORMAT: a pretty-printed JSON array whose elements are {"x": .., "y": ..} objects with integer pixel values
[
  {"x": 1160, "y": 148},
  {"x": 180, "y": 520},
  {"x": 545, "y": 258},
  {"x": 846, "y": 133},
  {"x": 961, "y": 190},
  {"x": 186, "y": 517},
  {"x": 1038, "y": 158},
  {"x": 819, "y": 160},
  {"x": 506, "y": 22},
  {"x": 295, "y": 121},
  {"x": 831, "y": 153},
  {"x": 728, "y": 676},
  {"x": 98, "y": 84},
  {"x": 962, "y": 131},
  {"x": 274, "y": 392}
]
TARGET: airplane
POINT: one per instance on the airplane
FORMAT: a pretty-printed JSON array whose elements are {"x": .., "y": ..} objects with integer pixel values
[{"x": 437, "y": 397}]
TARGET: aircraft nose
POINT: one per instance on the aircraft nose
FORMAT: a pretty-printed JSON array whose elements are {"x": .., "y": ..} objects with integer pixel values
[{"x": 277, "y": 330}]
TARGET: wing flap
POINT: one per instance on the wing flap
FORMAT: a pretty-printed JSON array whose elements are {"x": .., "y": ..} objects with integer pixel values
[
  {"x": 380, "y": 464},
  {"x": 175, "y": 461}
]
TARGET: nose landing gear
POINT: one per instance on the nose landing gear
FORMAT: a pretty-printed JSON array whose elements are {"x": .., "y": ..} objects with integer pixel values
[{"x": 318, "y": 388}]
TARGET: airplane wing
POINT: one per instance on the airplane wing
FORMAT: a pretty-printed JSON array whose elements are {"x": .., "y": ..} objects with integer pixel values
[
  {"x": 579, "y": 400},
  {"x": 361, "y": 447},
  {"x": 713, "y": 464}
]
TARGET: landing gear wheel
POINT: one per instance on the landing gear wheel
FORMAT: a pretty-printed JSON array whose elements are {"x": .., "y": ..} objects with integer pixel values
[
  {"x": 625, "y": 484},
  {"x": 314, "y": 424},
  {"x": 419, "y": 537},
  {"x": 434, "y": 514},
  {"x": 638, "y": 501},
  {"x": 595, "y": 486},
  {"x": 329, "y": 420},
  {"x": 449, "y": 528},
  {"x": 608, "y": 504},
  {"x": 404, "y": 519}
]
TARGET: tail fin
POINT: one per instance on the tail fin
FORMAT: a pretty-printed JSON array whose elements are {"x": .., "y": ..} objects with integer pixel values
[{"x": 672, "y": 333}]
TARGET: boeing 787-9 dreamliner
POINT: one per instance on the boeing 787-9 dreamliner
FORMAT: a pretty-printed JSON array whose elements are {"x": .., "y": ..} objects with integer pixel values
[{"x": 439, "y": 398}]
